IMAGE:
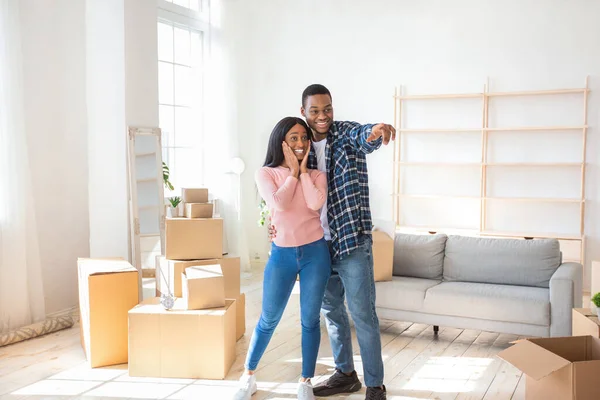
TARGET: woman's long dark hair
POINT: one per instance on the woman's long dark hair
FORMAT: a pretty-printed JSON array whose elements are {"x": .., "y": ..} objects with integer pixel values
[{"x": 275, "y": 155}]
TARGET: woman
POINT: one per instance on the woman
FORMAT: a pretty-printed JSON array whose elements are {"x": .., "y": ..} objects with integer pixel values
[{"x": 294, "y": 195}]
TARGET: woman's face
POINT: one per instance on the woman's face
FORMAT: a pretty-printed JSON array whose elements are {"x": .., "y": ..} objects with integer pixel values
[{"x": 297, "y": 139}]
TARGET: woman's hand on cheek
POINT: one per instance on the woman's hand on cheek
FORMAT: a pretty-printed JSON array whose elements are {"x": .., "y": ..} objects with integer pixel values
[
  {"x": 304, "y": 164},
  {"x": 290, "y": 160}
]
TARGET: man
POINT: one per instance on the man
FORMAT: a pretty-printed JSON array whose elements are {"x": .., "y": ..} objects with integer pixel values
[{"x": 339, "y": 149}]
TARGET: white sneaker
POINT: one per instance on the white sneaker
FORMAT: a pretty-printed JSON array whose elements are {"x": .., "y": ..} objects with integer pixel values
[
  {"x": 247, "y": 387},
  {"x": 305, "y": 391}
]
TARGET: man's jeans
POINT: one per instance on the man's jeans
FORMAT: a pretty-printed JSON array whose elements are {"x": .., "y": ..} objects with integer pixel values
[
  {"x": 353, "y": 278},
  {"x": 312, "y": 263}
]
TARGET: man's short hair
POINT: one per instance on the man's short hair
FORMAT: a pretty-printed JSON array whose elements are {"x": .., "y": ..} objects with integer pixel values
[{"x": 312, "y": 90}]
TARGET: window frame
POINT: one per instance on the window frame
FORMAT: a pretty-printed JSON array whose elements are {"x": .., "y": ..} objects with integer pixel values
[{"x": 176, "y": 15}]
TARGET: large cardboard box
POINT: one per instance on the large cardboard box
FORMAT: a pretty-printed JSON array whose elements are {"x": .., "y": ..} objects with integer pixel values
[
  {"x": 169, "y": 274},
  {"x": 198, "y": 210},
  {"x": 203, "y": 287},
  {"x": 194, "y": 195},
  {"x": 241, "y": 316},
  {"x": 383, "y": 256},
  {"x": 585, "y": 322},
  {"x": 564, "y": 368},
  {"x": 193, "y": 239},
  {"x": 108, "y": 289},
  {"x": 197, "y": 344}
]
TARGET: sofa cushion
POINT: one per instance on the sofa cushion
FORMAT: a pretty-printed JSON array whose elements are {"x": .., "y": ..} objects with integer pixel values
[
  {"x": 403, "y": 293},
  {"x": 502, "y": 261},
  {"x": 419, "y": 256},
  {"x": 527, "y": 305}
]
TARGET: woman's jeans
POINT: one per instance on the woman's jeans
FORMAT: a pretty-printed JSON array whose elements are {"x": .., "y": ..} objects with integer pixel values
[{"x": 312, "y": 263}]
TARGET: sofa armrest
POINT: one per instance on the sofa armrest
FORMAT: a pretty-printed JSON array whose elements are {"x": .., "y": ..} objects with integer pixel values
[{"x": 566, "y": 293}]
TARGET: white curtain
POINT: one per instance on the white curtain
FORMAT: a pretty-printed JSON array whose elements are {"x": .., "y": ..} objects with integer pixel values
[{"x": 21, "y": 286}]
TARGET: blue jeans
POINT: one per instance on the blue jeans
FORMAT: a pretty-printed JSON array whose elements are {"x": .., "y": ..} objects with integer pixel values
[
  {"x": 352, "y": 277},
  {"x": 312, "y": 262}
]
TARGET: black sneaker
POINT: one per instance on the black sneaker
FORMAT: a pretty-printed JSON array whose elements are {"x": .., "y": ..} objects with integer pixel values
[
  {"x": 375, "y": 393},
  {"x": 338, "y": 383}
]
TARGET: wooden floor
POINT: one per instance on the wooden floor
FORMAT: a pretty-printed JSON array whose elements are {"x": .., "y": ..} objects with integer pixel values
[{"x": 456, "y": 364}]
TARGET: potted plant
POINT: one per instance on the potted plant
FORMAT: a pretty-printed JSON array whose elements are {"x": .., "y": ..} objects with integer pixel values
[
  {"x": 596, "y": 301},
  {"x": 173, "y": 210},
  {"x": 166, "y": 174},
  {"x": 264, "y": 213}
]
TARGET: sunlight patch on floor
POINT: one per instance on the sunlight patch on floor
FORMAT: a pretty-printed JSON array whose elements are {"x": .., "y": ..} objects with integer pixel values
[{"x": 448, "y": 374}]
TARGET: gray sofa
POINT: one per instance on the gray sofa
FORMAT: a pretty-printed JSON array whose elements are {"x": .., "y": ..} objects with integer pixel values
[{"x": 500, "y": 285}]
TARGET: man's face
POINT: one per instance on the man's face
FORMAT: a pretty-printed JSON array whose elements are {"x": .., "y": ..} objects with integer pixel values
[{"x": 318, "y": 113}]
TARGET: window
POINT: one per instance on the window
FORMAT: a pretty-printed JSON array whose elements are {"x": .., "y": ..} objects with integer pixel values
[
  {"x": 181, "y": 35},
  {"x": 195, "y": 5}
]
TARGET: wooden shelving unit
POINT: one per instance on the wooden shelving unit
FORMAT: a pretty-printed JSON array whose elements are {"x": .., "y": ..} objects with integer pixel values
[{"x": 572, "y": 244}]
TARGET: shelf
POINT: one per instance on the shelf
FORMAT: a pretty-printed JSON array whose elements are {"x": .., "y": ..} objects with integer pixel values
[
  {"x": 505, "y": 129},
  {"x": 146, "y": 179},
  {"x": 440, "y": 96},
  {"x": 464, "y": 231},
  {"x": 484, "y": 157},
  {"x": 534, "y": 164},
  {"x": 537, "y": 128},
  {"x": 492, "y": 94},
  {"x": 536, "y": 200},
  {"x": 476, "y": 232},
  {"x": 532, "y": 235},
  {"x": 437, "y": 164},
  {"x": 148, "y": 207},
  {"x": 441, "y": 130},
  {"x": 537, "y": 92},
  {"x": 145, "y": 154},
  {"x": 438, "y": 196}
]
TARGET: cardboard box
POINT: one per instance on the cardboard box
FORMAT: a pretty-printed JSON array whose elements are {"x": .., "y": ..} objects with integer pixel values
[
  {"x": 203, "y": 287},
  {"x": 196, "y": 344},
  {"x": 585, "y": 322},
  {"x": 193, "y": 239},
  {"x": 383, "y": 256},
  {"x": 198, "y": 210},
  {"x": 564, "y": 368},
  {"x": 169, "y": 274},
  {"x": 230, "y": 266},
  {"x": 194, "y": 195},
  {"x": 240, "y": 315},
  {"x": 108, "y": 289}
]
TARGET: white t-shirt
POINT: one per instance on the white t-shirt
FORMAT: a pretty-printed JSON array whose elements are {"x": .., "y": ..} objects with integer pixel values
[{"x": 322, "y": 166}]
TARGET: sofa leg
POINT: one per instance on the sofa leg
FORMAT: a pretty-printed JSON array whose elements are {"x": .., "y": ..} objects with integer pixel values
[{"x": 436, "y": 329}]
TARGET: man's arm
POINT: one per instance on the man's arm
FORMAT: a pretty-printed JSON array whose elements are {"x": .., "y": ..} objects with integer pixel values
[{"x": 366, "y": 138}]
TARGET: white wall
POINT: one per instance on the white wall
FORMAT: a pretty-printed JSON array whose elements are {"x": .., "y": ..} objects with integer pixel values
[
  {"x": 53, "y": 39},
  {"x": 361, "y": 50},
  {"x": 107, "y": 139}
]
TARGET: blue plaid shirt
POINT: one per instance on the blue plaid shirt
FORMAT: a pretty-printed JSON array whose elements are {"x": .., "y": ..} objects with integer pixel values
[{"x": 348, "y": 211}]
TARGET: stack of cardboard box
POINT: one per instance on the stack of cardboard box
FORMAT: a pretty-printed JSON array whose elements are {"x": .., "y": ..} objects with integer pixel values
[{"x": 196, "y": 338}]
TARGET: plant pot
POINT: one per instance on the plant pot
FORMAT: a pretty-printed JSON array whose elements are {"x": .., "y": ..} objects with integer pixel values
[
  {"x": 173, "y": 212},
  {"x": 598, "y": 311}
]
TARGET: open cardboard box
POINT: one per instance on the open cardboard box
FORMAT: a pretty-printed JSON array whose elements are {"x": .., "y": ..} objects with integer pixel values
[
  {"x": 168, "y": 276},
  {"x": 562, "y": 368},
  {"x": 203, "y": 287}
]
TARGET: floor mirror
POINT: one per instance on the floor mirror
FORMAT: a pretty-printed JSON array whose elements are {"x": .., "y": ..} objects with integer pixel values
[{"x": 146, "y": 188}]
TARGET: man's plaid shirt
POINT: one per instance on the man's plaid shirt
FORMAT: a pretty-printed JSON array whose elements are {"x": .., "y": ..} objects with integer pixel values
[{"x": 348, "y": 211}]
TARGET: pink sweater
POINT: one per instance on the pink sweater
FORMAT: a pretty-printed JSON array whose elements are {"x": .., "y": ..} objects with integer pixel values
[{"x": 294, "y": 204}]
